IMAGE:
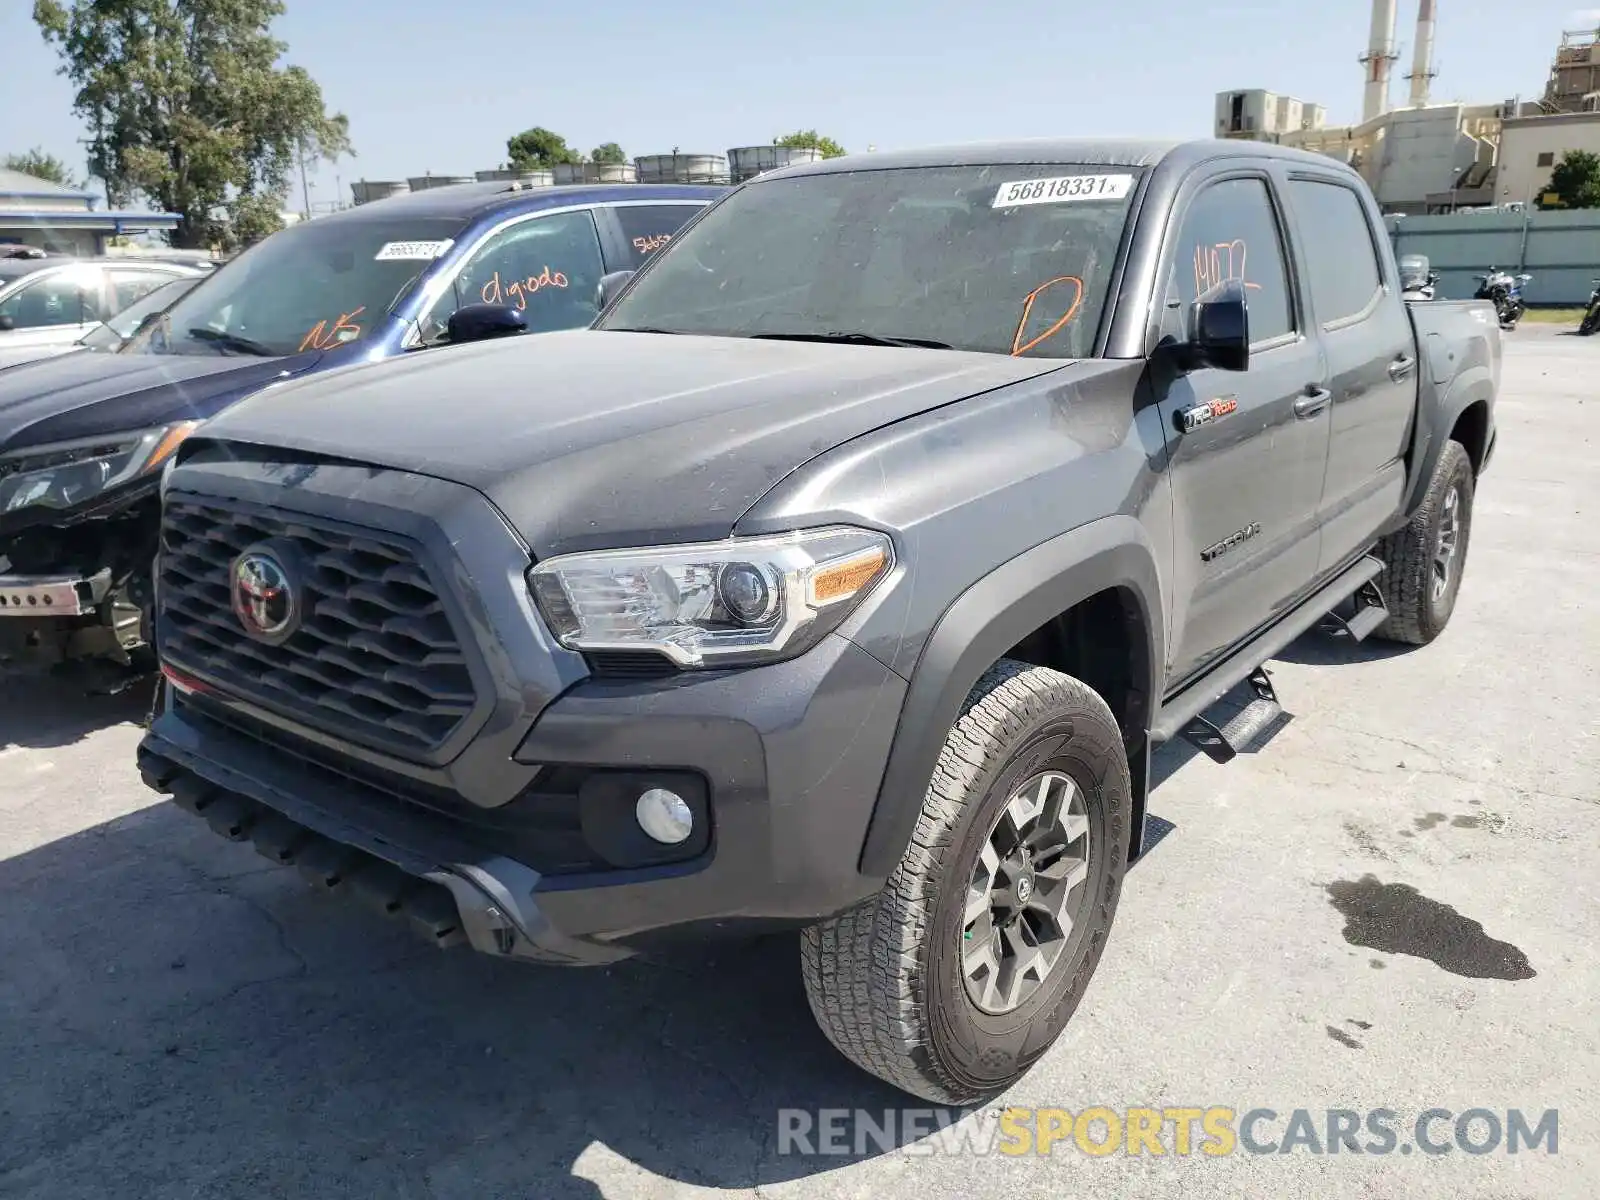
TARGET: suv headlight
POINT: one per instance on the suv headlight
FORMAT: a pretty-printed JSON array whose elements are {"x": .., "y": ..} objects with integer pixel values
[
  {"x": 734, "y": 602},
  {"x": 67, "y": 474}
]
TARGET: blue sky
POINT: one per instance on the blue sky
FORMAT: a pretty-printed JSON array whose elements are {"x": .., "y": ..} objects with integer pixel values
[{"x": 433, "y": 86}]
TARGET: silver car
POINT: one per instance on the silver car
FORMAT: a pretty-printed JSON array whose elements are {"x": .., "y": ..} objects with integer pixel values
[{"x": 47, "y": 304}]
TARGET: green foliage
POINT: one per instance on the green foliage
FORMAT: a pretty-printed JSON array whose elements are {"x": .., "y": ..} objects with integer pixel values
[
  {"x": 810, "y": 139},
  {"x": 43, "y": 166},
  {"x": 186, "y": 104},
  {"x": 540, "y": 147},
  {"x": 1575, "y": 180},
  {"x": 609, "y": 152}
]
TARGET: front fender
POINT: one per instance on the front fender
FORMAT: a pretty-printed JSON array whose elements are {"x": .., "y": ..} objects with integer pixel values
[{"x": 986, "y": 621}]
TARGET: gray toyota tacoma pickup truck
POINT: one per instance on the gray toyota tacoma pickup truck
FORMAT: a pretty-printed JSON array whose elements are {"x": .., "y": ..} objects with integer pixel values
[{"x": 840, "y": 578}]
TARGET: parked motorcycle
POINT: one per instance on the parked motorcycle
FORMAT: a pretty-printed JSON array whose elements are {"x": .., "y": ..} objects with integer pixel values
[
  {"x": 1417, "y": 282},
  {"x": 1505, "y": 291},
  {"x": 1591, "y": 316}
]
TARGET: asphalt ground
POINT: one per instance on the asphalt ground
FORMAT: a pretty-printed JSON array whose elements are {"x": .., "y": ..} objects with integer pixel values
[{"x": 1392, "y": 904}]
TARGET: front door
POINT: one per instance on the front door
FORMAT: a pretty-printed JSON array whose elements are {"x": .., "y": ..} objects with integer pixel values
[
  {"x": 50, "y": 311},
  {"x": 1246, "y": 481}
]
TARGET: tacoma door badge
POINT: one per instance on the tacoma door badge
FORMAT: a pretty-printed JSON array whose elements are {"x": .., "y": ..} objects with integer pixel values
[{"x": 1193, "y": 417}]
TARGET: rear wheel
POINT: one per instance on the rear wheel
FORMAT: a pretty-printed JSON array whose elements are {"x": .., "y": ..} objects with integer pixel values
[
  {"x": 1423, "y": 562},
  {"x": 964, "y": 969},
  {"x": 1591, "y": 321}
]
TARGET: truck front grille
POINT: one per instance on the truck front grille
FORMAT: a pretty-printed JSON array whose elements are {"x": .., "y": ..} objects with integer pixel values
[{"x": 375, "y": 658}]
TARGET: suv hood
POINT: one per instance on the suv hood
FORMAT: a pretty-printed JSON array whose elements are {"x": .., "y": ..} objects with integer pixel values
[
  {"x": 87, "y": 393},
  {"x": 587, "y": 438}
]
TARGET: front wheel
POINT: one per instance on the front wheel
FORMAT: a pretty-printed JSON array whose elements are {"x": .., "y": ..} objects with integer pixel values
[
  {"x": 1423, "y": 562},
  {"x": 964, "y": 969}
]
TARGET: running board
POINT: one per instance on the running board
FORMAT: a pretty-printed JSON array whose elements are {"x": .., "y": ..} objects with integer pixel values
[
  {"x": 1223, "y": 743},
  {"x": 1179, "y": 710},
  {"x": 1370, "y": 612}
]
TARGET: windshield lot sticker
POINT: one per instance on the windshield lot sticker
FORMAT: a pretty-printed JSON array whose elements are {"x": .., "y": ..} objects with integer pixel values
[
  {"x": 412, "y": 251},
  {"x": 648, "y": 245},
  {"x": 321, "y": 337},
  {"x": 1061, "y": 189},
  {"x": 494, "y": 292}
]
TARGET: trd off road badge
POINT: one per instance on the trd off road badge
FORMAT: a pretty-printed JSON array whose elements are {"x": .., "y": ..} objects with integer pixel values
[{"x": 1204, "y": 414}]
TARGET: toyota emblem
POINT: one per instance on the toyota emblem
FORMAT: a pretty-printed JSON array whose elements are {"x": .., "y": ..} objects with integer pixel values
[{"x": 264, "y": 596}]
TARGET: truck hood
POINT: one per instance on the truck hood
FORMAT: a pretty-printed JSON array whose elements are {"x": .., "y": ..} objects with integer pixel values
[
  {"x": 85, "y": 393},
  {"x": 588, "y": 439}
]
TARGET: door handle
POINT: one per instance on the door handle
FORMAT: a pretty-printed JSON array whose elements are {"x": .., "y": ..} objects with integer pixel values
[
  {"x": 1310, "y": 404},
  {"x": 1400, "y": 368}
]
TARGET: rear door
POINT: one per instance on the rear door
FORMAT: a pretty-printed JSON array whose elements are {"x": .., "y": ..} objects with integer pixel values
[
  {"x": 1371, "y": 353},
  {"x": 1245, "y": 483}
]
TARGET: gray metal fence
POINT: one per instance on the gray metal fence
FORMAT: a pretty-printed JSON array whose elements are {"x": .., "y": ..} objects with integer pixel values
[{"x": 1561, "y": 250}]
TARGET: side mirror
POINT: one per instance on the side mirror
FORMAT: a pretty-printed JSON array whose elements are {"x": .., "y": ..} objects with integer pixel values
[
  {"x": 1219, "y": 328},
  {"x": 7, "y": 324},
  {"x": 610, "y": 285},
  {"x": 479, "y": 322}
]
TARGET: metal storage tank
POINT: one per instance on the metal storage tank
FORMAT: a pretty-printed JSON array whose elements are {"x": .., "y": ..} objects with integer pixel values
[
  {"x": 749, "y": 161},
  {"x": 682, "y": 168},
  {"x": 366, "y": 191},
  {"x": 538, "y": 177},
  {"x": 593, "y": 172},
  {"x": 420, "y": 182}
]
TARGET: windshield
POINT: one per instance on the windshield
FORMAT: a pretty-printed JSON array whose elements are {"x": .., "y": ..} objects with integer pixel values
[
  {"x": 1000, "y": 259},
  {"x": 110, "y": 334},
  {"x": 312, "y": 286}
]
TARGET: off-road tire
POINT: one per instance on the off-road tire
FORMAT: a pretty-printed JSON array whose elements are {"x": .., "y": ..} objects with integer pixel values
[
  {"x": 885, "y": 980},
  {"x": 1415, "y": 616}
]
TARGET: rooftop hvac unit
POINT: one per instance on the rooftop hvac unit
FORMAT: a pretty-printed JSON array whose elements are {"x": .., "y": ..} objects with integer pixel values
[
  {"x": 539, "y": 177},
  {"x": 593, "y": 172},
  {"x": 423, "y": 182},
  {"x": 365, "y": 191},
  {"x": 682, "y": 168},
  {"x": 746, "y": 162}
]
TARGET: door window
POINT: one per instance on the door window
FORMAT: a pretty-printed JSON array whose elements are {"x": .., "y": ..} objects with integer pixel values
[
  {"x": 547, "y": 267},
  {"x": 1341, "y": 261},
  {"x": 128, "y": 286},
  {"x": 61, "y": 298},
  {"x": 1230, "y": 231},
  {"x": 648, "y": 227}
]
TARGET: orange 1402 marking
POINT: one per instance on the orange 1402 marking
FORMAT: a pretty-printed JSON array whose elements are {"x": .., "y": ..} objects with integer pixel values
[
  {"x": 494, "y": 292},
  {"x": 320, "y": 337},
  {"x": 648, "y": 245},
  {"x": 1216, "y": 263}
]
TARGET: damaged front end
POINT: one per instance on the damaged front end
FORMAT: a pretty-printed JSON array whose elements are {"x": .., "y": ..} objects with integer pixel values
[{"x": 79, "y": 523}]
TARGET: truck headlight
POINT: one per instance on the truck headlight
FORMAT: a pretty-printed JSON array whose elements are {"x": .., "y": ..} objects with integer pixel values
[
  {"x": 734, "y": 602},
  {"x": 67, "y": 474}
]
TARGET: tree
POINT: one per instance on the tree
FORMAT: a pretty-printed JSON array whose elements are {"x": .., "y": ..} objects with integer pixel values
[
  {"x": 540, "y": 147},
  {"x": 609, "y": 152},
  {"x": 1576, "y": 180},
  {"x": 43, "y": 166},
  {"x": 186, "y": 103},
  {"x": 810, "y": 139}
]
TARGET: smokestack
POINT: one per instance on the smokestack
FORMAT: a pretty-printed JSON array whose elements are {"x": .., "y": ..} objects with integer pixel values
[
  {"x": 1422, "y": 71},
  {"x": 1379, "y": 58}
]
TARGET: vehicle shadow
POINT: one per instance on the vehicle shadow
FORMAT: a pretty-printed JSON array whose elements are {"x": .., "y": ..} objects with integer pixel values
[
  {"x": 43, "y": 712},
  {"x": 179, "y": 1017},
  {"x": 1318, "y": 648}
]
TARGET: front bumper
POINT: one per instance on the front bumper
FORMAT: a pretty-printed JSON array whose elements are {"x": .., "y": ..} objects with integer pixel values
[
  {"x": 40, "y": 596},
  {"x": 791, "y": 757}
]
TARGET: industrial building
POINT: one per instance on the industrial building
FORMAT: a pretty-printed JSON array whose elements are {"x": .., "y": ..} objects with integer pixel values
[{"x": 1430, "y": 158}]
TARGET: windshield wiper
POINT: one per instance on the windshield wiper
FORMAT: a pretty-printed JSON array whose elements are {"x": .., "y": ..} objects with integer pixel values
[
  {"x": 859, "y": 339},
  {"x": 635, "y": 329},
  {"x": 232, "y": 341}
]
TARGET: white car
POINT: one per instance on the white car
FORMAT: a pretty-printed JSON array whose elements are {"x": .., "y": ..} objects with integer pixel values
[{"x": 48, "y": 304}]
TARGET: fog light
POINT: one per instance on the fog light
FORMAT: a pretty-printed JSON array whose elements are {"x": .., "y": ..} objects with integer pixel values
[{"x": 664, "y": 815}]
